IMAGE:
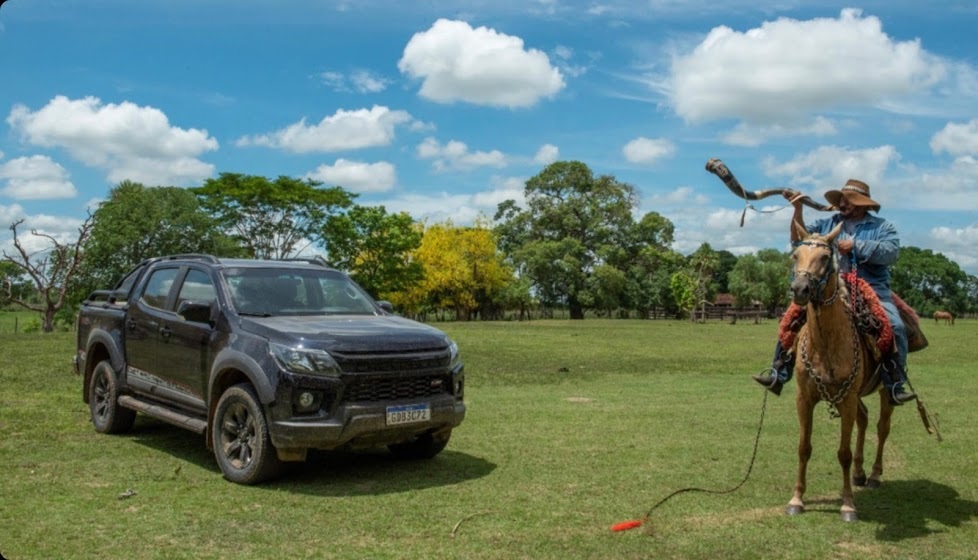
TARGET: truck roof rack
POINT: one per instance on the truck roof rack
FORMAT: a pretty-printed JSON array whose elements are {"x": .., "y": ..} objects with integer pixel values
[
  {"x": 188, "y": 256},
  {"x": 311, "y": 260}
]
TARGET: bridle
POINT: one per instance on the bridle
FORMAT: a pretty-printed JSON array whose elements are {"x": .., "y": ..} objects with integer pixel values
[{"x": 817, "y": 284}]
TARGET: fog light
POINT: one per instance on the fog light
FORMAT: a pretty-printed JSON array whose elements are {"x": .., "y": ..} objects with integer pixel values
[{"x": 306, "y": 399}]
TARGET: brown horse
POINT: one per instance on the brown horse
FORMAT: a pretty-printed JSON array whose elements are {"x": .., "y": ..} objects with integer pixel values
[
  {"x": 833, "y": 364},
  {"x": 946, "y": 316}
]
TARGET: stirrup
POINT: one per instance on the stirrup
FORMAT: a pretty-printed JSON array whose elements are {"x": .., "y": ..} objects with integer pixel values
[
  {"x": 771, "y": 382},
  {"x": 899, "y": 398}
]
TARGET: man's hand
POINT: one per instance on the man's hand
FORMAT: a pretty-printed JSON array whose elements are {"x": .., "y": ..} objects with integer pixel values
[
  {"x": 793, "y": 196},
  {"x": 845, "y": 246}
]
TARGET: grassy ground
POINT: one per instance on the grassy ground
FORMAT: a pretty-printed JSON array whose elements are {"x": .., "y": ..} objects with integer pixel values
[{"x": 571, "y": 428}]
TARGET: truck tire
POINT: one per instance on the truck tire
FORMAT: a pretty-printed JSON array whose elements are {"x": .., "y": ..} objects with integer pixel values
[
  {"x": 240, "y": 437},
  {"x": 103, "y": 401},
  {"x": 424, "y": 446}
]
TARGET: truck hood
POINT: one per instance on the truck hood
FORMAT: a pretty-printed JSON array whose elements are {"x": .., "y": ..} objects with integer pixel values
[{"x": 348, "y": 333}]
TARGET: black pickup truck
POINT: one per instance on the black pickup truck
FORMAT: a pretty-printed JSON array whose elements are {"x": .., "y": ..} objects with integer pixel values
[{"x": 267, "y": 359}]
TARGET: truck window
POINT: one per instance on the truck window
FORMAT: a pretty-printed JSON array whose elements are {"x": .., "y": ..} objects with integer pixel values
[
  {"x": 158, "y": 287},
  {"x": 197, "y": 287}
]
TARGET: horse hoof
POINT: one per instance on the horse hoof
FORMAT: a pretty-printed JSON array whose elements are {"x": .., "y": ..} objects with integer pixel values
[
  {"x": 873, "y": 483},
  {"x": 859, "y": 480},
  {"x": 794, "y": 510},
  {"x": 849, "y": 516}
]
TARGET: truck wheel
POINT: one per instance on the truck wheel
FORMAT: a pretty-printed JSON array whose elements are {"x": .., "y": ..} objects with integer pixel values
[
  {"x": 103, "y": 396},
  {"x": 240, "y": 437},
  {"x": 424, "y": 446}
]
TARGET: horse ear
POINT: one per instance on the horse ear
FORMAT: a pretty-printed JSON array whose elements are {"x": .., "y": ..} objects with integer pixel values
[
  {"x": 799, "y": 229},
  {"x": 834, "y": 233}
]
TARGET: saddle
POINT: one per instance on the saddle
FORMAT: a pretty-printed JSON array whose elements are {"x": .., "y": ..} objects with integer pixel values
[{"x": 871, "y": 320}]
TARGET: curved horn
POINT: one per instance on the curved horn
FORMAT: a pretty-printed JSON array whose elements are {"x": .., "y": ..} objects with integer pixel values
[{"x": 718, "y": 168}]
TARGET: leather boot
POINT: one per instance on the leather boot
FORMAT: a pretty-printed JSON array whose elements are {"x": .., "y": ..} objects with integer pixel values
[
  {"x": 780, "y": 371},
  {"x": 897, "y": 375},
  {"x": 770, "y": 381}
]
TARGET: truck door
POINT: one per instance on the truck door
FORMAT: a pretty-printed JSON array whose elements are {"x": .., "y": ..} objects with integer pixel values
[
  {"x": 145, "y": 359},
  {"x": 188, "y": 342}
]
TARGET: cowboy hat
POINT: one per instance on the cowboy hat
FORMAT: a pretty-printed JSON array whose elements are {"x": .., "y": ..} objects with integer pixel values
[{"x": 856, "y": 192}]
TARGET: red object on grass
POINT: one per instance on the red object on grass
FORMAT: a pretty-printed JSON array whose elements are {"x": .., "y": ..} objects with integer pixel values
[{"x": 626, "y": 525}]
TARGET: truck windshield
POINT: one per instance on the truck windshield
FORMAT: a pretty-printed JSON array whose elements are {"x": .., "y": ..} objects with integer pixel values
[{"x": 276, "y": 291}]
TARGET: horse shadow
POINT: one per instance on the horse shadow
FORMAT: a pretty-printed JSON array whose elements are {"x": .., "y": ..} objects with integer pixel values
[{"x": 904, "y": 508}]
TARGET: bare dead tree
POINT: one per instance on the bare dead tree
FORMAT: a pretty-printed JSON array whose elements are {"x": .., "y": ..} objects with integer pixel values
[{"x": 51, "y": 270}]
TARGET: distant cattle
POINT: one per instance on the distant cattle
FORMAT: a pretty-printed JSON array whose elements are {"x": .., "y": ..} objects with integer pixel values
[{"x": 945, "y": 316}]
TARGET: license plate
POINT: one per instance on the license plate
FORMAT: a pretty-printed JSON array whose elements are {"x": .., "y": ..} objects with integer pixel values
[{"x": 408, "y": 414}]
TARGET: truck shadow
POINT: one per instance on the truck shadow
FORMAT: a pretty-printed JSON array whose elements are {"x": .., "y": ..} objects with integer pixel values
[{"x": 327, "y": 473}]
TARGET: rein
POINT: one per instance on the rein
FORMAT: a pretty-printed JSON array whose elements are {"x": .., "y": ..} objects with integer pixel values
[{"x": 818, "y": 301}]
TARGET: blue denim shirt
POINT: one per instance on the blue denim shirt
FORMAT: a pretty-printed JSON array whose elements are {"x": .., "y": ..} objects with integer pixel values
[{"x": 876, "y": 246}]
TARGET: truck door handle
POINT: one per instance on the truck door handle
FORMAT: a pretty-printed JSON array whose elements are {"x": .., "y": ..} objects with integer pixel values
[
  {"x": 165, "y": 332},
  {"x": 131, "y": 325}
]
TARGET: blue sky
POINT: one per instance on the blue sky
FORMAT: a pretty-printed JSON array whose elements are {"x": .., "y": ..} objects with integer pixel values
[{"x": 443, "y": 109}]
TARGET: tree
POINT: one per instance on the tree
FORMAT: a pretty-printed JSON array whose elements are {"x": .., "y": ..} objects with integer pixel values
[
  {"x": 138, "y": 222},
  {"x": 463, "y": 271},
  {"x": 16, "y": 284},
  {"x": 700, "y": 269},
  {"x": 762, "y": 278},
  {"x": 51, "y": 270},
  {"x": 929, "y": 281},
  {"x": 648, "y": 264},
  {"x": 271, "y": 218},
  {"x": 572, "y": 221},
  {"x": 375, "y": 248}
]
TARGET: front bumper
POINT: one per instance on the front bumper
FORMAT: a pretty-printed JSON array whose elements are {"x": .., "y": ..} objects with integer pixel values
[{"x": 363, "y": 425}]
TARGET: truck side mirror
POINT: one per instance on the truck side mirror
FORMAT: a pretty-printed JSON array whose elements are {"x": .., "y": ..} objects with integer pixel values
[
  {"x": 198, "y": 312},
  {"x": 386, "y": 305}
]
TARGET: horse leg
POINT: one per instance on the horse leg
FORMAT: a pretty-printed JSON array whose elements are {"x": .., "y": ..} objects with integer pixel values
[
  {"x": 882, "y": 432},
  {"x": 844, "y": 453},
  {"x": 805, "y": 408},
  {"x": 862, "y": 422}
]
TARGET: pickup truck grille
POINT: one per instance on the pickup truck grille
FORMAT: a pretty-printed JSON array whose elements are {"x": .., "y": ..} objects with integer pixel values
[
  {"x": 394, "y": 376},
  {"x": 351, "y": 362},
  {"x": 385, "y": 388}
]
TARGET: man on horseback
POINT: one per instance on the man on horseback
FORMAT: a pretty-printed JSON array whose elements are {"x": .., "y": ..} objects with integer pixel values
[{"x": 869, "y": 244}]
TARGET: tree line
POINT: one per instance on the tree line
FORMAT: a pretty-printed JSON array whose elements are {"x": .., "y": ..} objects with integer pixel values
[{"x": 575, "y": 245}]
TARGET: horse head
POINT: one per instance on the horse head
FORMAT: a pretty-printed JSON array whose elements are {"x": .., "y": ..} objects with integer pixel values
[{"x": 814, "y": 266}]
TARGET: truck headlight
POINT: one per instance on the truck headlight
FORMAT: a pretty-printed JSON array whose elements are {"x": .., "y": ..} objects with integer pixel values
[
  {"x": 456, "y": 359},
  {"x": 305, "y": 360}
]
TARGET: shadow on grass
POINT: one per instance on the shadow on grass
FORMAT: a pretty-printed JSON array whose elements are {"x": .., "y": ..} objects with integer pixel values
[
  {"x": 904, "y": 508},
  {"x": 327, "y": 473}
]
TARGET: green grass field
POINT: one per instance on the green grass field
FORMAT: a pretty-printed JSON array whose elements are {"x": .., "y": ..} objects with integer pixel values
[{"x": 571, "y": 427}]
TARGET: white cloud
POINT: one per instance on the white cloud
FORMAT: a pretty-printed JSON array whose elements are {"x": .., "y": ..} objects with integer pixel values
[
  {"x": 754, "y": 135},
  {"x": 547, "y": 154},
  {"x": 957, "y": 139},
  {"x": 344, "y": 130},
  {"x": 787, "y": 68},
  {"x": 648, "y": 150},
  {"x": 361, "y": 81},
  {"x": 460, "y": 208},
  {"x": 367, "y": 82},
  {"x": 356, "y": 176},
  {"x": 958, "y": 244},
  {"x": 36, "y": 178},
  {"x": 119, "y": 138},
  {"x": 456, "y": 155},
  {"x": 61, "y": 228},
  {"x": 481, "y": 66},
  {"x": 829, "y": 167}
]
